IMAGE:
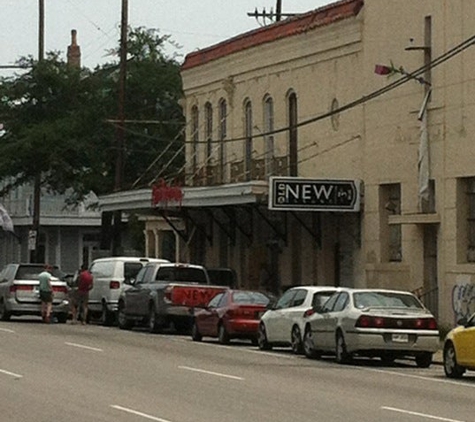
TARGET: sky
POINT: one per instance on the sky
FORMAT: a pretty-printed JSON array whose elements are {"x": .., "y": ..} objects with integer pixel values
[{"x": 192, "y": 24}]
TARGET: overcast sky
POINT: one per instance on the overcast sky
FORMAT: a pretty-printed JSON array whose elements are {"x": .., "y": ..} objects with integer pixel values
[{"x": 193, "y": 24}]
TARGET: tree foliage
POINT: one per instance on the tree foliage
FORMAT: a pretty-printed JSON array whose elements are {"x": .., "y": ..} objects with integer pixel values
[{"x": 61, "y": 121}]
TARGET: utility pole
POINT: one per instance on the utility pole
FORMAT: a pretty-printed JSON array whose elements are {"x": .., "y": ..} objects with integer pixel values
[
  {"x": 33, "y": 235},
  {"x": 120, "y": 141}
]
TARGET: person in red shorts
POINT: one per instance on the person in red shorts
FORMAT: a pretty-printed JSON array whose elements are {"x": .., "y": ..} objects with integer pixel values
[{"x": 81, "y": 296}]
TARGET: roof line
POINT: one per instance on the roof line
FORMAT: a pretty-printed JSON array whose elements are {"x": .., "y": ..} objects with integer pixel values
[{"x": 299, "y": 24}]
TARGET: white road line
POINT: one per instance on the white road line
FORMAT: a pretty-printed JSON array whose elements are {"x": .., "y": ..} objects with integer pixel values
[
  {"x": 211, "y": 373},
  {"x": 12, "y": 374},
  {"x": 7, "y": 330},
  {"x": 84, "y": 347},
  {"x": 424, "y": 415},
  {"x": 443, "y": 381},
  {"x": 134, "y": 412}
]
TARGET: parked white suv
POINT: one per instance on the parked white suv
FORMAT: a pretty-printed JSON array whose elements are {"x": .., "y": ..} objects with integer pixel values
[{"x": 110, "y": 276}]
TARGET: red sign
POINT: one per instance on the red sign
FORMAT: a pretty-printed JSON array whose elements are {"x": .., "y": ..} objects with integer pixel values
[
  {"x": 194, "y": 296},
  {"x": 163, "y": 194}
]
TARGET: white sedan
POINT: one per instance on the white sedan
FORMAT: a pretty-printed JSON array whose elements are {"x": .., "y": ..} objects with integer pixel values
[
  {"x": 375, "y": 323},
  {"x": 283, "y": 324}
]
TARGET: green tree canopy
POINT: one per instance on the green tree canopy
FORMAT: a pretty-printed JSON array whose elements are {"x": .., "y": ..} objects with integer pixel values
[{"x": 61, "y": 121}]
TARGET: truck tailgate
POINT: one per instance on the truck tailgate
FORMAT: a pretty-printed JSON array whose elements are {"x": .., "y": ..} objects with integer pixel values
[{"x": 194, "y": 296}]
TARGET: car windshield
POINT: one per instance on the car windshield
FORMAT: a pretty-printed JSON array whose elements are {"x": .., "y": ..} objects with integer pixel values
[
  {"x": 385, "y": 300},
  {"x": 250, "y": 298}
]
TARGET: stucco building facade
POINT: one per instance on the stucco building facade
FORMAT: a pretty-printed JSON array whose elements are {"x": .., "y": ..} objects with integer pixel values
[{"x": 306, "y": 99}]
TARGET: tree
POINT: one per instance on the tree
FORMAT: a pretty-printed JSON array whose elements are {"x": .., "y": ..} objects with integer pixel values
[{"x": 59, "y": 120}]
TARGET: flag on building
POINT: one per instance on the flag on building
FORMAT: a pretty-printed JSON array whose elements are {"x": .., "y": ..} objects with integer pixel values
[{"x": 6, "y": 222}]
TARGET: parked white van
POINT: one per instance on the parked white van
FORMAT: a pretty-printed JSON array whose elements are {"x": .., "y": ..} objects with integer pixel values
[{"x": 110, "y": 276}]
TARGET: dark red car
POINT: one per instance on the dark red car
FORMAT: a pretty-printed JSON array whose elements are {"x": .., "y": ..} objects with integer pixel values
[{"x": 230, "y": 314}]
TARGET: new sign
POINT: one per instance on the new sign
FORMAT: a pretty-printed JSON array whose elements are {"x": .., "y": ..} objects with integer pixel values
[{"x": 297, "y": 194}]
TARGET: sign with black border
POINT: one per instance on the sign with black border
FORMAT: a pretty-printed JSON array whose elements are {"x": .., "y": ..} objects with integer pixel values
[{"x": 300, "y": 194}]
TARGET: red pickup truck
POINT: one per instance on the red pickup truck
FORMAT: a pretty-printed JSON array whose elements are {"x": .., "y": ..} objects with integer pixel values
[{"x": 165, "y": 295}]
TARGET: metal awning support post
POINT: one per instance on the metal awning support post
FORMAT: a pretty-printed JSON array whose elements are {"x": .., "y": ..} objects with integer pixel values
[{"x": 282, "y": 236}]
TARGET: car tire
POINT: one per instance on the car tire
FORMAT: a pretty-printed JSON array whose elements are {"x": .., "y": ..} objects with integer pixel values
[
  {"x": 4, "y": 314},
  {"x": 123, "y": 322},
  {"x": 62, "y": 317},
  {"x": 296, "y": 340},
  {"x": 223, "y": 336},
  {"x": 424, "y": 360},
  {"x": 341, "y": 353},
  {"x": 308, "y": 345},
  {"x": 195, "y": 332},
  {"x": 262, "y": 338},
  {"x": 153, "y": 326},
  {"x": 107, "y": 317},
  {"x": 451, "y": 368}
]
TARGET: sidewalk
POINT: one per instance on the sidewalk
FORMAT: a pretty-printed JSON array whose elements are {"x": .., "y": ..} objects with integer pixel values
[{"x": 438, "y": 357}]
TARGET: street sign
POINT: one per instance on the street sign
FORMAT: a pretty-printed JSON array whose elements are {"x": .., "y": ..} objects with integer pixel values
[
  {"x": 32, "y": 240},
  {"x": 299, "y": 194}
]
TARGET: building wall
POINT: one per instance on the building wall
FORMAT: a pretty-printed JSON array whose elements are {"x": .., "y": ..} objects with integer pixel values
[{"x": 376, "y": 141}]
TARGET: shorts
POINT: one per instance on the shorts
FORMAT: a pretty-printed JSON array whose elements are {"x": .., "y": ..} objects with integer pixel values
[
  {"x": 46, "y": 296},
  {"x": 81, "y": 299}
]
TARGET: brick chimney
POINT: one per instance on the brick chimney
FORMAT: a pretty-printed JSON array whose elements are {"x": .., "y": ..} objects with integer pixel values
[{"x": 74, "y": 51}]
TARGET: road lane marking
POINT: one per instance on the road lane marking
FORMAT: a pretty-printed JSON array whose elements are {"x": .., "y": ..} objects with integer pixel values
[
  {"x": 12, "y": 374},
  {"x": 6, "y": 330},
  {"x": 424, "y": 415},
  {"x": 81, "y": 346},
  {"x": 135, "y": 412},
  {"x": 211, "y": 373},
  {"x": 443, "y": 381}
]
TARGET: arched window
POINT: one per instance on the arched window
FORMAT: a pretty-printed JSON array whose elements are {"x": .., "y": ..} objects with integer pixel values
[
  {"x": 293, "y": 133},
  {"x": 248, "y": 136},
  {"x": 208, "y": 132},
  {"x": 195, "y": 135},
  {"x": 223, "y": 112},
  {"x": 269, "y": 139}
]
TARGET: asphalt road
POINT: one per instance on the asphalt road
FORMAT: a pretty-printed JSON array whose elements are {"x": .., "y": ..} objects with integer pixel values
[{"x": 90, "y": 373}]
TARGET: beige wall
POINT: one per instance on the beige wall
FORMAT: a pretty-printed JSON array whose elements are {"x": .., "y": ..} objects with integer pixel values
[{"x": 376, "y": 142}]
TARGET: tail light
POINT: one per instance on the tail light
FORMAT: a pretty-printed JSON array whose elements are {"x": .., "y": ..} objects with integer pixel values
[
  {"x": 167, "y": 294},
  {"x": 24, "y": 287},
  {"x": 368, "y": 321},
  {"x": 60, "y": 289},
  {"x": 114, "y": 285},
  {"x": 308, "y": 312}
]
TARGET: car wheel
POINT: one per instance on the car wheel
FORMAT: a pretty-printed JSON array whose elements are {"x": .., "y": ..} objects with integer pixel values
[
  {"x": 342, "y": 356},
  {"x": 262, "y": 338},
  {"x": 153, "y": 326},
  {"x": 107, "y": 317},
  {"x": 195, "y": 333},
  {"x": 296, "y": 340},
  {"x": 223, "y": 336},
  {"x": 451, "y": 368},
  {"x": 123, "y": 322},
  {"x": 62, "y": 317},
  {"x": 4, "y": 314},
  {"x": 424, "y": 360},
  {"x": 308, "y": 345}
]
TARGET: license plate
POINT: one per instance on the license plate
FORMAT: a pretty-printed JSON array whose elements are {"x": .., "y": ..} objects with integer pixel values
[{"x": 400, "y": 338}]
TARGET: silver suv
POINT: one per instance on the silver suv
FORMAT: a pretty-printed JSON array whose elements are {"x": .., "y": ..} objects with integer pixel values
[{"x": 19, "y": 292}]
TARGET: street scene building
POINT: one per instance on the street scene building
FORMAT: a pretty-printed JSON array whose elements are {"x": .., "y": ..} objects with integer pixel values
[{"x": 332, "y": 148}]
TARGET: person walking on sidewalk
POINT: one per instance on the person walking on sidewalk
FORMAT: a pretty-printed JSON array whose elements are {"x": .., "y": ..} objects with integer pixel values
[
  {"x": 46, "y": 293},
  {"x": 81, "y": 297}
]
